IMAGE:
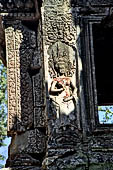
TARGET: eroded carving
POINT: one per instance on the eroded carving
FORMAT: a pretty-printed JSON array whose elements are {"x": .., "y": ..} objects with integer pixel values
[
  {"x": 60, "y": 74},
  {"x": 62, "y": 89},
  {"x": 17, "y": 4},
  {"x": 59, "y": 23},
  {"x": 24, "y": 65},
  {"x": 93, "y": 2},
  {"x": 58, "y": 131},
  {"x": 62, "y": 93},
  {"x": 38, "y": 83}
]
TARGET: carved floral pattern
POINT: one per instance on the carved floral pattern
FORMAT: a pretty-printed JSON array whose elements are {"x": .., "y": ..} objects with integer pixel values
[
  {"x": 17, "y": 4},
  {"x": 60, "y": 67},
  {"x": 22, "y": 56}
]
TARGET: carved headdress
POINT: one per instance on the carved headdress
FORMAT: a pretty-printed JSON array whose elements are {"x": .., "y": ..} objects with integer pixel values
[{"x": 59, "y": 54}]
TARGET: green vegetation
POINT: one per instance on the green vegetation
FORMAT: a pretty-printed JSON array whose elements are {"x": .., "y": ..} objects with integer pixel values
[
  {"x": 107, "y": 112},
  {"x": 3, "y": 106}
]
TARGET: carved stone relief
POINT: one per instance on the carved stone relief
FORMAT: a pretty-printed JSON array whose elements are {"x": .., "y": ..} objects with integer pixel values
[
  {"x": 38, "y": 84},
  {"x": 62, "y": 89},
  {"x": 24, "y": 145},
  {"x": 60, "y": 56},
  {"x": 93, "y": 2},
  {"x": 59, "y": 23},
  {"x": 23, "y": 63},
  {"x": 17, "y": 4},
  {"x": 51, "y": 134},
  {"x": 102, "y": 2},
  {"x": 62, "y": 113}
]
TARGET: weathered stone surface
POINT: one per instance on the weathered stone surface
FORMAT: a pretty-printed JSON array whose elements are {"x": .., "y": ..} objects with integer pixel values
[
  {"x": 19, "y": 81},
  {"x": 108, "y": 166},
  {"x": 24, "y": 77},
  {"x": 52, "y": 104},
  {"x": 93, "y": 2},
  {"x": 69, "y": 161},
  {"x": 61, "y": 73},
  {"x": 24, "y": 146},
  {"x": 6, "y": 168},
  {"x": 23, "y": 168},
  {"x": 17, "y": 5},
  {"x": 32, "y": 141}
]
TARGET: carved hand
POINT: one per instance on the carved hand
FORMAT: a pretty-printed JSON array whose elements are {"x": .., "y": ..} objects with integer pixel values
[{"x": 68, "y": 99}]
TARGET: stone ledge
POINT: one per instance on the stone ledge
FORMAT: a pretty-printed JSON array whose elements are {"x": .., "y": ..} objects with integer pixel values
[
  {"x": 23, "y": 168},
  {"x": 6, "y": 169}
]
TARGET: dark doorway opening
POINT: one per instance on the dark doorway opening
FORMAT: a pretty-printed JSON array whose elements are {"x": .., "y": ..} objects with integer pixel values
[{"x": 103, "y": 57}]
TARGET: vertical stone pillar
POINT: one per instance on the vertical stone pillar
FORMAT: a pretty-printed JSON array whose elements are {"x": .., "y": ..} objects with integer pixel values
[
  {"x": 62, "y": 82},
  {"x": 26, "y": 108},
  {"x": 19, "y": 58}
]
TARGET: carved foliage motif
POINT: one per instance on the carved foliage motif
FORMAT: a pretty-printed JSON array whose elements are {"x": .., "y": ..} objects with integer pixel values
[
  {"x": 101, "y": 2},
  {"x": 13, "y": 76},
  {"x": 60, "y": 67},
  {"x": 59, "y": 23},
  {"x": 27, "y": 5},
  {"x": 21, "y": 52},
  {"x": 36, "y": 142},
  {"x": 93, "y": 2},
  {"x": 38, "y": 87}
]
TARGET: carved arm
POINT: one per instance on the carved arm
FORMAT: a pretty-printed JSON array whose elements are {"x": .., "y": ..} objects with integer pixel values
[{"x": 54, "y": 88}]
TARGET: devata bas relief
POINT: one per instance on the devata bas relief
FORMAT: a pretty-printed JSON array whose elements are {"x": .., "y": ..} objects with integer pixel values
[
  {"x": 62, "y": 85},
  {"x": 62, "y": 88}
]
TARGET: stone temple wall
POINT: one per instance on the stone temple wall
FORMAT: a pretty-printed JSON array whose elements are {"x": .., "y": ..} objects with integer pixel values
[{"x": 52, "y": 98}]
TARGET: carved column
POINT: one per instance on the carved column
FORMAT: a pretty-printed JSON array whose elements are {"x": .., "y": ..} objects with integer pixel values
[
  {"x": 25, "y": 93},
  {"x": 62, "y": 76},
  {"x": 25, "y": 74},
  {"x": 26, "y": 105}
]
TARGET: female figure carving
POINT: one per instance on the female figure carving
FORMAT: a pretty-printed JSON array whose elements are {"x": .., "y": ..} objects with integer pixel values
[{"x": 62, "y": 90}]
